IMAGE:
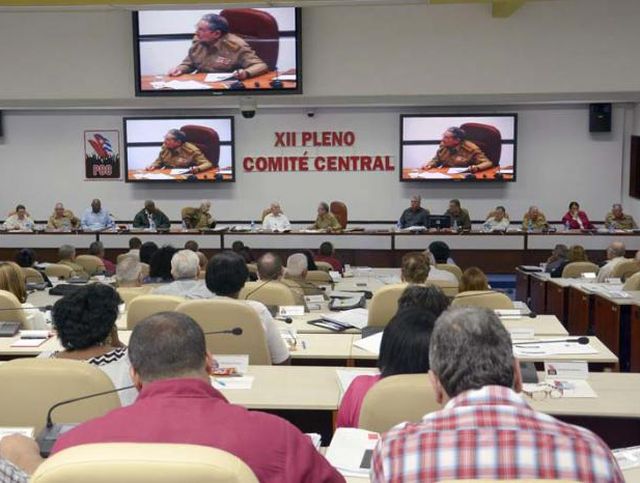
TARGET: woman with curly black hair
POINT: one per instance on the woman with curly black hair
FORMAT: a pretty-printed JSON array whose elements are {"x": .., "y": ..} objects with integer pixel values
[
  {"x": 160, "y": 266},
  {"x": 85, "y": 321}
]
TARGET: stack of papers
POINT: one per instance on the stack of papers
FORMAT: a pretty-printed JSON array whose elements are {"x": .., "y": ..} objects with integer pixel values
[
  {"x": 177, "y": 171},
  {"x": 370, "y": 344},
  {"x": 628, "y": 457},
  {"x": 219, "y": 77},
  {"x": 552, "y": 348},
  {"x": 457, "y": 170},
  {"x": 357, "y": 318},
  {"x": 350, "y": 451},
  {"x": 316, "y": 440},
  {"x": 429, "y": 176},
  {"x": 231, "y": 365},
  {"x": 180, "y": 85},
  {"x": 570, "y": 388},
  {"x": 223, "y": 383},
  {"x": 152, "y": 176}
]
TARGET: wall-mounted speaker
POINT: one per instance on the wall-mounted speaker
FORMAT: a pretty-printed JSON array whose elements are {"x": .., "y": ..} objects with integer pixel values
[{"x": 600, "y": 117}]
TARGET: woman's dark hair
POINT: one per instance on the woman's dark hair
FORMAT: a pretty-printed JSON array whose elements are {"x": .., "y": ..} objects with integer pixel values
[
  {"x": 429, "y": 298},
  {"x": 86, "y": 317},
  {"x": 574, "y": 203},
  {"x": 226, "y": 274},
  {"x": 147, "y": 249},
  {"x": 405, "y": 343},
  {"x": 311, "y": 263},
  {"x": 440, "y": 251},
  {"x": 160, "y": 266},
  {"x": 26, "y": 257}
]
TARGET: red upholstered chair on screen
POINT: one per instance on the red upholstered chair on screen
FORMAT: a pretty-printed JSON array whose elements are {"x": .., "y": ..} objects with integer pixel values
[
  {"x": 259, "y": 29},
  {"x": 339, "y": 209},
  {"x": 206, "y": 139},
  {"x": 486, "y": 137}
]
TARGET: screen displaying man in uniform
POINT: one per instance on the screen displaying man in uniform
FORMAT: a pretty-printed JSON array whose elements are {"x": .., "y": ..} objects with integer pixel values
[
  {"x": 177, "y": 153},
  {"x": 214, "y": 49},
  {"x": 456, "y": 152},
  {"x": 179, "y": 149},
  {"x": 458, "y": 147}
]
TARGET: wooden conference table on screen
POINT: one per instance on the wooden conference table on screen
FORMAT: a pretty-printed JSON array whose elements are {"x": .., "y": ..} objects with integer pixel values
[
  {"x": 259, "y": 82},
  {"x": 587, "y": 308},
  {"x": 379, "y": 247},
  {"x": 209, "y": 174},
  {"x": 480, "y": 175}
]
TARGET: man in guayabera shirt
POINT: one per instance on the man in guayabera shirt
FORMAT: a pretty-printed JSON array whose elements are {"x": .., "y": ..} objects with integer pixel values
[{"x": 214, "y": 49}]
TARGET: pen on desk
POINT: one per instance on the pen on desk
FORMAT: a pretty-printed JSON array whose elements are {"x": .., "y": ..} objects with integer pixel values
[
  {"x": 220, "y": 382},
  {"x": 304, "y": 345}
]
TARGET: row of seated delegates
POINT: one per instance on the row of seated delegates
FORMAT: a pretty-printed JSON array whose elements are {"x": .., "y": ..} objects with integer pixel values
[
  {"x": 561, "y": 256},
  {"x": 12, "y": 280},
  {"x": 482, "y": 407},
  {"x": 225, "y": 276},
  {"x": 85, "y": 324},
  {"x": 416, "y": 215},
  {"x": 171, "y": 368},
  {"x": 404, "y": 348}
]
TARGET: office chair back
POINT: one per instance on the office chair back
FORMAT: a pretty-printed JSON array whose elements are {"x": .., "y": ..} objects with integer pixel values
[
  {"x": 31, "y": 275},
  {"x": 384, "y": 304},
  {"x": 58, "y": 270},
  {"x": 144, "y": 306},
  {"x": 339, "y": 210},
  {"x": 142, "y": 463},
  {"x": 127, "y": 294},
  {"x": 482, "y": 298},
  {"x": 625, "y": 269},
  {"x": 455, "y": 269},
  {"x": 486, "y": 137},
  {"x": 90, "y": 264},
  {"x": 259, "y": 29},
  {"x": 576, "y": 269},
  {"x": 11, "y": 309},
  {"x": 206, "y": 140},
  {"x": 269, "y": 293}
]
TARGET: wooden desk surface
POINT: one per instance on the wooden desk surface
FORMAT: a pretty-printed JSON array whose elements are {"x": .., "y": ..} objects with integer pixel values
[
  {"x": 257, "y": 82},
  {"x": 480, "y": 175},
  {"x": 209, "y": 174}
]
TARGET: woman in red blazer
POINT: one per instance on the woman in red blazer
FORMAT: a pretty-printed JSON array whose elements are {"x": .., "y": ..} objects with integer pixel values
[{"x": 576, "y": 219}]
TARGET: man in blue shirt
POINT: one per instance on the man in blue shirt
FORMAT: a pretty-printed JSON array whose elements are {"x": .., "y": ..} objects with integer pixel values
[{"x": 96, "y": 218}]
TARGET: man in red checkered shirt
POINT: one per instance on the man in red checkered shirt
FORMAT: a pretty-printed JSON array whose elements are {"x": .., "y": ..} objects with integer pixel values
[{"x": 485, "y": 430}]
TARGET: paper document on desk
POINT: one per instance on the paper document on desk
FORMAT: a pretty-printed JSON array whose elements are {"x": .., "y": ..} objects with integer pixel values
[
  {"x": 9, "y": 430},
  {"x": 357, "y": 318},
  {"x": 508, "y": 313},
  {"x": 370, "y": 344},
  {"x": 186, "y": 85},
  {"x": 627, "y": 457},
  {"x": 457, "y": 170},
  {"x": 428, "y": 175},
  {"x": 571, "y": 389},
  {"x": 152, "y": 176},
  {"x": 552, "y": 348},
  {"x": 350, "y": 451},
  {"x": 286, "y": 77},
  {"x": 232, "y": 364},
  {"x": 28, "y": 342},
  {"x": 343, "y": 294},
  {"x": 219, "y": 77},
  {"x": 177, "y": 171},
  {"x": 316, "y": 440},
  {"x": 242, "y": 382}
]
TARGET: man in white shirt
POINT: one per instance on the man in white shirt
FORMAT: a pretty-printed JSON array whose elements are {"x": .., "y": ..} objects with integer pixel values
[
  {"x": 615, "y": 255},
  {"x": 185, "y": 267},
  {"x": 276, "y": 220},
  {"x": 134, "y": 247},
  {"x": 19, "y": 220},
  {"x": 226, "y": 274},
  {"x": 497, "y": 220}
]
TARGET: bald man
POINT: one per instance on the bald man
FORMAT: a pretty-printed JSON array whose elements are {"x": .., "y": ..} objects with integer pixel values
[{"x": 615, "y": 255}]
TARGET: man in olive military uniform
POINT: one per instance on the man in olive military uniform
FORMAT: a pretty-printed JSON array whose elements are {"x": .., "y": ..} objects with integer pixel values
[
  {"x": 198, "y": 218},
  {"x": 214, "y": 49},
  {"x": 325, "y": 220},
  {"x": 455, "y": 152},
  {"x": 618, "y": 220},
  {"x": 63, "y": 219},
  {"x": 176, "y": 152}
]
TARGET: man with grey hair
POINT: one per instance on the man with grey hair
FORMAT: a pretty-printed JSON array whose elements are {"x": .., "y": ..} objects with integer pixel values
[
  {"x": 67, "y": 255},
  {"x": 485, "y": 430},
  {"x": 177, "y": 153},
  {"x": 270, "y": 270},
  {"x": 129, "y": 272},
  {"x": 615, "y": 255},
  {"x": 185, "y": 267},
  {"x": 62, "y": 219},
  {"x": 276, "y": 220},
  {"x": 295, "y": 275},
  {"x": 456, "y": 152},
  {"x": 534, "y": 219},
  {"x": 198, "y": 218},
  {"x": 559, "y": 258},
  {"x": 215, "y": 49},
  {"x": 415, "y": 215},
  {"x": 616, "y": 219},
  {"x": 326, "y": 220}
]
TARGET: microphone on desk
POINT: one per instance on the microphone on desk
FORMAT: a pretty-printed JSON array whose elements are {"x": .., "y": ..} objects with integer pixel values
[
  {"x": 532, "y": 314},
  {"x": 580, "y": 340},
  {"x": 286, "y": 320},
  {"x": 43, "y": 308},
  {"x": 49, "y": 435},
  {"x": 234, "y": 331}
]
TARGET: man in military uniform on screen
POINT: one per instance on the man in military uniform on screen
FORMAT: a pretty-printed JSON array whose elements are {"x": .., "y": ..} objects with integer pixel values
[
  {"x": 455, "y": 152},
  {"x": 214, "y": 49},
  {"x": 177, "y": 153}
]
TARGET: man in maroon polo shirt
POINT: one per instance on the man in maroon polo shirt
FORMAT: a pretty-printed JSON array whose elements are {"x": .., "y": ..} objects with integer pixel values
[{"x": 177, "y": 404}]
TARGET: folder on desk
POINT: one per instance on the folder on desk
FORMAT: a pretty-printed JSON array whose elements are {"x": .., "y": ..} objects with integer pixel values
[{"x": 350, "y": 451}]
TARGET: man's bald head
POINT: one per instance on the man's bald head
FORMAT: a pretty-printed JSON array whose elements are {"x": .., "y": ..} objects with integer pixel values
[
  {"x": 616, "y": 249},
  {"x": 270, "y": 267}
]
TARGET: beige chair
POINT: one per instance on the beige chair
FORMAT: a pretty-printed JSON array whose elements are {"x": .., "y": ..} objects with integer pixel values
[
  {"x": 576, "y": 269},
  {"x": 58, "y": 270},
  {"x": 324, "y": 266},
  {"x": 450, "y": 289},
  {"x": 144, "y": 306},
  {"x": 31, "y": 386},
  {"x": 319, "y": 277},
  {"x": 384, "y": 304},
  {"x": 127, "y": 294},
  {"x": 143, "y": 463},
  {"x": 9, "y": 301},
  {"x": 269, "y": 293},
  {"x": 455, "y": 269},
  {"x": 224, "y": 314},
  {"x": 624, "y": 270},
  {"x": 394, "y": 399},
  {"x": 31, "y": 275},
  {"x": 253, "y": 268},
  {"x": 482, "y": 298},
  {"x": 632, "y": 283},
  {"x": 91, "y": 264}
]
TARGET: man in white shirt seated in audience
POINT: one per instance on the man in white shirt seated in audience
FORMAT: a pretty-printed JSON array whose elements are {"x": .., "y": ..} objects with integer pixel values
[
  {"x": 134, "y": 247},
  {"x": 485, "y": 429},
  {"x": 615, "y": 255},
  {"x": 129, "y": 272},
  {"x": 185, "y": 267},
  {"x": 438, "y": 252},
  {"x": 226, "y": 274},
  {"x": 276, "y": 220}
]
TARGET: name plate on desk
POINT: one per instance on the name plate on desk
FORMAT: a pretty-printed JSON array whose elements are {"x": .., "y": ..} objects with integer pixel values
[
  {"x": 522, "y": 333},
  {"x": 290, "y": 310}
]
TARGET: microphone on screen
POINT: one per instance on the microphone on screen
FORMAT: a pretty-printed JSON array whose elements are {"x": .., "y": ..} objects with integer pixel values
[
  {"x": 580, "y": 340},
  {"x": 49, "y": 435},
  {"x": 234, "y": 331}
]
